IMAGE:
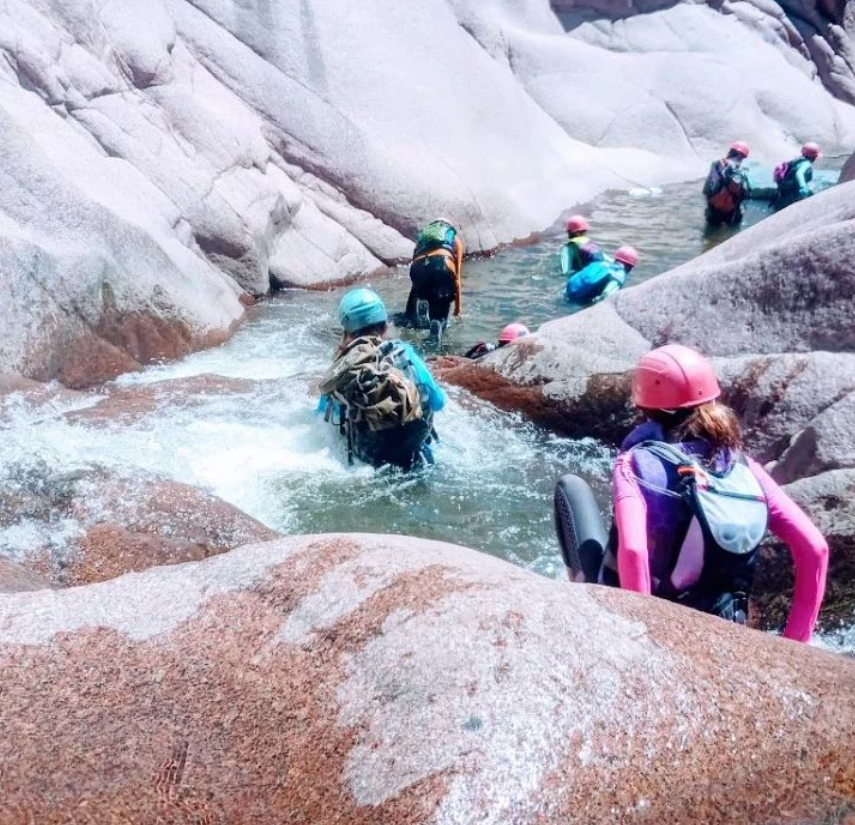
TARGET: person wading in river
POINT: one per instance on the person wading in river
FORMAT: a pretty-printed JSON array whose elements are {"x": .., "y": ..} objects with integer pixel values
[
  {"x": 436, "y": 274},
  {"x": 690, "y": 508},
  {"x": 379, "y": 393},
  {"x": 511, "y": 333},
  {"x": 726, "y": 187},
  {"x": 580, "y": 250},
  {"x": 599, "y": 279},
  {"x": 793, "y": 177}
]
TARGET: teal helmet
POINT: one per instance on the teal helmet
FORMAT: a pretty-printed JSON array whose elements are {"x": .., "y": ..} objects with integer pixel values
[{"x": 361, "y": 308}]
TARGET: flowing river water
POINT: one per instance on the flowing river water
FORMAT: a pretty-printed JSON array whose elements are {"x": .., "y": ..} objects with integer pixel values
[{"x": 260, "y": 445}]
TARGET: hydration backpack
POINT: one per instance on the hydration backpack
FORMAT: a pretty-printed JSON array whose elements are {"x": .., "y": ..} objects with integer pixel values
[
  {"x": 729, "y": 520},
  {"x": 781, "y": 171},
  {"x": 436, "y": 235},
  {"x": 590, "y": 281},
  {"x": 375, "y": 382}
]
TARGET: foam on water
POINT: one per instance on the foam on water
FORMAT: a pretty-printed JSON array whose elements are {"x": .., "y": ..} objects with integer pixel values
[{"x": 269, "y": 453}]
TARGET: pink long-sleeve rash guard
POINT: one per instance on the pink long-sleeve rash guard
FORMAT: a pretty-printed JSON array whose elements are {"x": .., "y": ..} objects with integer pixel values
[{"x": 786, "y": 521}]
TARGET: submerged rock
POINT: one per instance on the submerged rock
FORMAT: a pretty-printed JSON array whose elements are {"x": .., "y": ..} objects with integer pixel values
[
  {"x": 370, "y": 679},
  {"x": 111, "y": 525},
  {"x": 124, "y": 404}
]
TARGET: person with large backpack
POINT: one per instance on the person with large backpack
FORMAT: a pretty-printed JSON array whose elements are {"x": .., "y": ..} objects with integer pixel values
[
  {"x": 794, "y": 176},
  {"x": 580, "y": 250},
  {"x": 727, "y": 186},
  {"x": 436, "y": 273},
  {"x": 690, "y": 507},
  {"x": 599, "y": 279},
  {"x": 379, "y": 393}
]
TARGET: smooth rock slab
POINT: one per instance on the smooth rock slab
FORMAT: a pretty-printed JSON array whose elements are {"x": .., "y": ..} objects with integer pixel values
[{"x": 372, "y": 679}]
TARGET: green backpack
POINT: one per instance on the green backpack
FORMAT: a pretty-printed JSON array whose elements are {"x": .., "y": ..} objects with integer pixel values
[
  {"x": 373, "y": 379},
  {"x": 436, "y": 235}
]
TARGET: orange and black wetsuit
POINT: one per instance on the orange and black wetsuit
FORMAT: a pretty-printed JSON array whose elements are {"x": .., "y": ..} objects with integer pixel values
[{"x": 437, "y": 277}]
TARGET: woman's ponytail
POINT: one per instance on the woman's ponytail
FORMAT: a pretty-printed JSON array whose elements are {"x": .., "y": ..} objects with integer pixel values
[{"x": 714, "y": 422}]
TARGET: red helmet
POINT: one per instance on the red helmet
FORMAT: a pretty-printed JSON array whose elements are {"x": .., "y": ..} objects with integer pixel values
[
  {"x": 673, "y": 377},
  {"x": 627, "y": 255},
  {"x": 810, "y": 151},
  {"x": 511, "y": 332},
  {"x": 740, "y": 147},
  {"x": 577, "y": 223}
]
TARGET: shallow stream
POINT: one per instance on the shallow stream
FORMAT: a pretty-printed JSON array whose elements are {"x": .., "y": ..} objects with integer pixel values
[{"x": 264, "y": 449}]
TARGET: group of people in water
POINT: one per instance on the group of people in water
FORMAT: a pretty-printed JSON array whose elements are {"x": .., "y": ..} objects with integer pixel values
[
  {"x": 728, "y": 184},
  {"x": 690, "y": 507}
]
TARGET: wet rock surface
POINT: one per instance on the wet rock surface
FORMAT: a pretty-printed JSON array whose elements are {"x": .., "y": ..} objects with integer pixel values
[
  {"x": 94, "y": 525},
  {"x": 829, "y": 499},
  {"x": 383, "y": 679}
]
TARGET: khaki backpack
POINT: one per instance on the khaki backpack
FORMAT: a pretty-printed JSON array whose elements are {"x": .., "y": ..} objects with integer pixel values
[{"x": 373, "y": 379}]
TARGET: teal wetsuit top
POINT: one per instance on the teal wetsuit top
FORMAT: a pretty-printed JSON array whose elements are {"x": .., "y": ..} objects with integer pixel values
[
  {"x": 794, "y": 187},
  {"x": 426, "y": 382}
]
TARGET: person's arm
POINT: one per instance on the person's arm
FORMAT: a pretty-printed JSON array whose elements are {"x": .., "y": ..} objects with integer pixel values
[
  {"x": 564, "y": 260},
  {"x": 809, "y": 549},
  {"x": 612, "y": 286},
  {"x": 458, "y": 274},
  {"x": 616, "y": 278},
  {"x": 802, "y": 179},
  {"x": 631, "y": 522},
  {"x": 435, "y": 394},
  {"x": 712, "y": 179}
]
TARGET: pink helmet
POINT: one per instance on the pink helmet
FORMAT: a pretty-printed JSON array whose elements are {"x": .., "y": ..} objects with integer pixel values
[
  {"x": 511, "y": 332},
  {"x": 810, "y": 151},
  {"x": 627, "y": 255},
  {"x": 673, "y": 377},
  {"x": 577, "y": 223},
  {"x": 740, "y": 147}
]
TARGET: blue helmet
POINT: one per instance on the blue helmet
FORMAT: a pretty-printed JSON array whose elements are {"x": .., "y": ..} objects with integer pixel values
[{"x": 361, "y": 308}]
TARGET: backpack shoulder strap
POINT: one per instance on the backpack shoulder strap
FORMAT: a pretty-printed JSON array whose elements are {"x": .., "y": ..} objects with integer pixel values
[{"x": 667, "y": 452}]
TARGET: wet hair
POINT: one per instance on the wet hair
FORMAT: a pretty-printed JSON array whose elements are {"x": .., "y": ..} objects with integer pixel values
[
  {"x": 733, "y": 154},
  {"x": 714, "y": 422}
]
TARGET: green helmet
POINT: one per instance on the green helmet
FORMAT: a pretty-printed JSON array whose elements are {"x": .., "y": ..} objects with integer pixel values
[{"x": 361, "y": 308}]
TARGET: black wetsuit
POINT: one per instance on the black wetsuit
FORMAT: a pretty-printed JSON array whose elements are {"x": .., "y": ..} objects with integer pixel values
[{"x": 433, "y": 280}]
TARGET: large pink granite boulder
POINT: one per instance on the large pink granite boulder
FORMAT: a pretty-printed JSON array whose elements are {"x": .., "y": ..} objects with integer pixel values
[{"x": 380, "y": 679}]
